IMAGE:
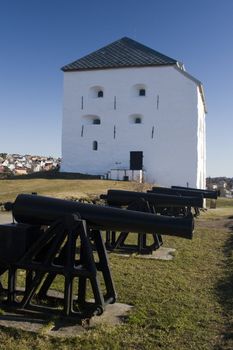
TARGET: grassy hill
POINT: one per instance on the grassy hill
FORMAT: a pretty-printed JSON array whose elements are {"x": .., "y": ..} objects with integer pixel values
[
  {"x": 183, "y": 304},
  {"x": 62, "y": 188}
]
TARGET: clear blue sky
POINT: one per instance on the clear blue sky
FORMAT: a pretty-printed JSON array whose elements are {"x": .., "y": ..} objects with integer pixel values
[{"x": 38, "y": 37}]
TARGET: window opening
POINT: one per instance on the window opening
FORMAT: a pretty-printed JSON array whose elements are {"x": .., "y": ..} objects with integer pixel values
[
  {"x": 114, "y": 132},
  {"x": 82, "y": 102},
  {"x": 152, "y": 132},
  {"x": 114, "y": 102},
  {"x": 100, "y": 93},
  {"x": 157, "y": 101},
  {"x": 142, "y": 92},
  {"x": 96, "y": 121},
  {"x": 82, "y": 130},
  {"x": 138, "y": 120},
  {"x": 95, "y": 145}
]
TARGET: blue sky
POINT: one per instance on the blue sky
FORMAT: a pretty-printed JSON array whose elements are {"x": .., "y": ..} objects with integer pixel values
[{"x": 38, "y": 37}]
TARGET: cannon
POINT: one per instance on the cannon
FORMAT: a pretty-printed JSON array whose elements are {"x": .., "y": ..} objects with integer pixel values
[
  {"x": 40, "y": 210},
  {"x": 55, "y": 237},
  {"x": 186, "y": 192},
  {"x": 169, "y": 205},
  {"x": 212, "y": 194},
  {"x": 178, "y": 192},
  {"x": 123, "y": 198}
]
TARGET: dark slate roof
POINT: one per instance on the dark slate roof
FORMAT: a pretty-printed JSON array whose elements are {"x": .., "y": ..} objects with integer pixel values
[{"x": 121, "y": 53}]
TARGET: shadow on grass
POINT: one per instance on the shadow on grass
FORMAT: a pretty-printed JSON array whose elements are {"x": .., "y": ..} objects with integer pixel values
[
  {"x": 52, "y": 174},
  {"x": 224, "y": 292}
]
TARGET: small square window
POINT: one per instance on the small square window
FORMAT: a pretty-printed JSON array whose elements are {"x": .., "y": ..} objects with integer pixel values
[
  {"x": 142, "y": 92},
  {"x": 138, "y": 121},
  {"x": 96, "y": 121},
  {"x": 100, "y": 93}
]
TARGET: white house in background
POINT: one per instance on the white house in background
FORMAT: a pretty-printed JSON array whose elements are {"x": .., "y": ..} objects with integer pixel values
[{"x": 128, "y": 106}]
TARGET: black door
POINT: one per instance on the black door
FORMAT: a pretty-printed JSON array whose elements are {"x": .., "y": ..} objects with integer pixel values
[{"x": 136, "y": 160}]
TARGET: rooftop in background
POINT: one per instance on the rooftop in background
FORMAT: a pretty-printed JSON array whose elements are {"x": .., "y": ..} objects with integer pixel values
[{"x": 122, "y": 53}]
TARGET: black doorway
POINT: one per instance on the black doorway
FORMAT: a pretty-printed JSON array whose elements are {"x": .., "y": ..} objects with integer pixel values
[{"x": 136, "y": 160}]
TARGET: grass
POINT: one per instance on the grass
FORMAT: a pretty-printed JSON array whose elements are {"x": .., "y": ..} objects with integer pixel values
[
  {"x": 62, "y": 188},
  {"x": 183, "y": 304},
  {"x": 222, "y": 202}
]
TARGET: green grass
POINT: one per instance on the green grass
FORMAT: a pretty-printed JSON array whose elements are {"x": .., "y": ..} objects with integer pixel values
[
  {"x": 222, "y": 202},
  {"x": 183, "y": 304}
]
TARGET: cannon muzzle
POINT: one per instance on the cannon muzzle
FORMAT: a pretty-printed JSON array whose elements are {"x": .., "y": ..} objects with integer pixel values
[{"x": 40, "y": 210}]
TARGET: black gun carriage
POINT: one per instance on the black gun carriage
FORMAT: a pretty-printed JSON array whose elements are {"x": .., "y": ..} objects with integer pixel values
[
  {"x": 55, "y": 237},
  {"x": 169, "y": 205}
]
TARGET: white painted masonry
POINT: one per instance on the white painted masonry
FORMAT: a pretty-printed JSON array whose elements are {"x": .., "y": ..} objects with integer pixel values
[{"x": 171, "y": 134}]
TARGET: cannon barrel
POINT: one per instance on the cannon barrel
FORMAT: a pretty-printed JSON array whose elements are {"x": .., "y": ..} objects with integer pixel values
[
  {"x": 33, "y": 209},
  {"x": 206, "y": 193},
  {"x": 120, "y": 197},
  {"x": 176, "y": 191}
]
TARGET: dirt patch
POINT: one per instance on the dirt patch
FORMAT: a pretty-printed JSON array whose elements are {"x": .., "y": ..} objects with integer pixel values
[
  {"x": 5, "y": 218},
  {"x": 114, "y": 314}
]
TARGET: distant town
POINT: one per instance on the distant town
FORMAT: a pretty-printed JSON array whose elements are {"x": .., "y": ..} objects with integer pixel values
[
  {"x": 17, "y": 164},
  {"x": 223, "y": 184}
]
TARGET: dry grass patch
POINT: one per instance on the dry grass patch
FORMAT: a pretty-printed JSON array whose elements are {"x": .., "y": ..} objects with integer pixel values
[{"x": 59, "y": 188}]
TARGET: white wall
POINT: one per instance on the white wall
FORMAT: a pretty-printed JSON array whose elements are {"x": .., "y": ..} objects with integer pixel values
[
  {"x": 201, "y": 145},
  {"x": 171, "y": 106}
]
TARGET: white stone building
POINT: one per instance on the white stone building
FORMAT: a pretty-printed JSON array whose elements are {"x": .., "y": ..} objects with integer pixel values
[{"x": 127, "y": 98}]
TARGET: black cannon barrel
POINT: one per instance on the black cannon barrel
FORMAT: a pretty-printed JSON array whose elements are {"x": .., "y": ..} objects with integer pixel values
[
  {"x": 42, "y": 210},
  {"x": 176, "y": 191},
  {"x": 206, "y": 193},
  {"x": 120, "y": 197}
]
